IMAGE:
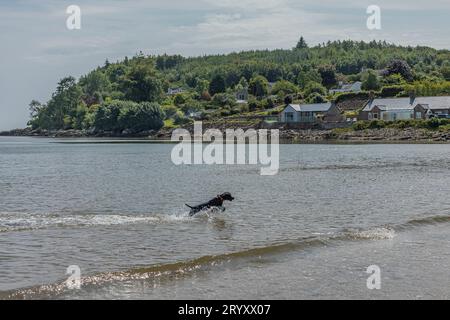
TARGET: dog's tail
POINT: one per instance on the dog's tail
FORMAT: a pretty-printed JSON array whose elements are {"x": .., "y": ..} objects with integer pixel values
[{"x": 189, "y": 206}]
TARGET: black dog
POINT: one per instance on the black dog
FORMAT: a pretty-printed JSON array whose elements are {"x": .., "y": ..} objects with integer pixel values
[{"x": 217, "y": 202}]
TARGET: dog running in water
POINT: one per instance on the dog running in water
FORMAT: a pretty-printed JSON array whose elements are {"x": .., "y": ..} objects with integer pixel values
[{"x": 217, "y": 202}]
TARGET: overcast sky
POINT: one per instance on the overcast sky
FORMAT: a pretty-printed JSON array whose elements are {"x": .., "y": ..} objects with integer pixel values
[{"x": 37, "y": 49}]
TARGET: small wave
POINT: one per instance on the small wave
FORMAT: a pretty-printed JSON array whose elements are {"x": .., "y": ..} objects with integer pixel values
[
  {"x": 28, "y": 221},
  {"x": 381, "y": 233},
  {"x": 367, "y": 166},
  {"x": 430, "y": 220},
  {"x": 176, "y": 269}
]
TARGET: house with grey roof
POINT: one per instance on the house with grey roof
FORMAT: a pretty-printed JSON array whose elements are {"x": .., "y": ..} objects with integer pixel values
[
  {"x": 174, "y": 91},
  {"x": 310, "y": 113},
  {"x": 348, "y": 87},
  {"x": 433, "y": 106},
  {"x": 241, "y": 95},
  {"x": 392, "y": 109}
]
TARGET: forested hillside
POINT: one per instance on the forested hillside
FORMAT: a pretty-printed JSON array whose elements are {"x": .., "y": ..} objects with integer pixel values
[{"x": 132, "y": 94}]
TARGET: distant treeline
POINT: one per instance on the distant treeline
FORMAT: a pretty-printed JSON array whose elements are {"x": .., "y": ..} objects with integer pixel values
[{"x": 132, "y": 94}]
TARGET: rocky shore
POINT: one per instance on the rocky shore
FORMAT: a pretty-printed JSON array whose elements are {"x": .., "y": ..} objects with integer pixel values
[
  {"x": 369, "y": 135},
  {"x": 28, "y": 132},
  {"x": 286, "y": 135}
]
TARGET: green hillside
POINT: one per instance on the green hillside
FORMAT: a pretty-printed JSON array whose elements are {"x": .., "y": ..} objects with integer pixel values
[{"x": 132, "y": 94}]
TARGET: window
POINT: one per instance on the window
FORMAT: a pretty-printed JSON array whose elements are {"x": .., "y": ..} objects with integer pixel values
[
  {"x": 289, "y": 117},
  {"x": 375, "y": 115},
  {"x": 418, "y": 115}
]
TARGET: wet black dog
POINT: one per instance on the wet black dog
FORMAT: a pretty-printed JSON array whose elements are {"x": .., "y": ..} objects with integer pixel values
[{"x": 217, "y": 202}]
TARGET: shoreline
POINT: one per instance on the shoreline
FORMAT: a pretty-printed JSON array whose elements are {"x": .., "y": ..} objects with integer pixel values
[{"x": 287, "y": 136}]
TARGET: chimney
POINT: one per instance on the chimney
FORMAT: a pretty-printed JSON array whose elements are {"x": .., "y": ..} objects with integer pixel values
[{"x": 371, "y": 95}]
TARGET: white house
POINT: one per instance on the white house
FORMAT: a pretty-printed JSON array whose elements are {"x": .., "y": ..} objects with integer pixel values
[
  {"x": 241, "y": 95},
  {"x": 392, "y": 109},
  {"x": 173, "y": 91},
  {"x": 349, "y": 87},
  {"x": 310, "y": 113}
]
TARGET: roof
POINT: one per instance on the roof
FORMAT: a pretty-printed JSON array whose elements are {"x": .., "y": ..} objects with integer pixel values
[
  {"x": 355, "y": 86},
  {"x": 434, "y": 102},
  {"x": 317, "y": 107},
  {"x": 389, "y": 103},
  {"x": 408, "y": 103}
]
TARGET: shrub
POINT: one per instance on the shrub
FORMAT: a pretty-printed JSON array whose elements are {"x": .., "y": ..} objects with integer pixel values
[
  {"x": 314, "y": 87},
  {"x": 288, "y": 99},
  {"x": 316, "y": 98},
  {"x": 374, "y": 124},
  {"x": 179, "y": 118},
  {"x": 141, "y": 117},
  {"x": 169, "y": 111},
  {"x": 391, "y": 91},
  {"x": 351, "y": 95},
  {"x": 243, "y": 108},
  {"x": 179, "y": 99},
  {"x": 377, "y": 124},
  {"x": 107, "y": 115},
  {"x": 120, "y": 115},
  {"x": 402, "y": 124},
  {"x": 360, "y": 125},
  {"x": 223, "y": 99},
  {"x": 433, "y": 123}
]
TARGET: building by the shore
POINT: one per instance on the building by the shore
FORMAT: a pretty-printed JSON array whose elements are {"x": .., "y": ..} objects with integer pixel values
[
  {"x": 311, "y": 113},
  {"x": 392, "y": 109}
]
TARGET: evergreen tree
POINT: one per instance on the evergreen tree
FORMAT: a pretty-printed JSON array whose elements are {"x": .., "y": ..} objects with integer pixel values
[{"x": 301, "y": 44}]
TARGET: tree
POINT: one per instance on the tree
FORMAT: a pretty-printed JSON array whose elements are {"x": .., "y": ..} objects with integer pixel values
[
  {"x": 445, "y": 71},
  {"x": 224, "y": 99},
  {"x": 141, "y": 84},
  {"x": 217, "y": 85},
  {"x": 202, "y": 86},
  {"x": 284, "y": 87},
  {"x": 78, "y": 121},
  {"x": 34, "y": 107},
  {"x": 301, "y": 44},
  {"x": 393, "y": 79},
  {"x": 179, "y": 99},
  {"x": 305, "y": 77},
  {"x": 141, "y": 117},
  {"x": 95, "y": 85},
  {"x": 288, "y": 100},
  {"x": 243, "y": 83},
  {"x": 259, "y": 86},
  {"x": 169, "y": 111},
  {"x": 328, "y": 74},
  {"x": 314, "y": 87},
  {"x": 401, "y": 67},
  {"x": 370, "y": 81},
  {"x": 316, "y": 98},
  {"x": 168, "y": 62},
  {"x": 107, "y": 115},
  {"x": 63, "y": 103}
]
